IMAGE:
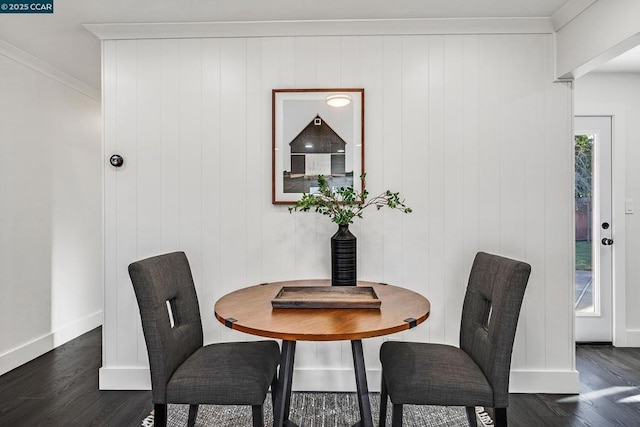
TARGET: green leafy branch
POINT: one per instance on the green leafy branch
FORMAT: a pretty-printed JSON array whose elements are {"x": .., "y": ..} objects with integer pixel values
[{"x": 345, "y": 203}]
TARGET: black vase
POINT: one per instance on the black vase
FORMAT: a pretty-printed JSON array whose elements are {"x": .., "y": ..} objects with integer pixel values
[{"x": 343, "y": 257}]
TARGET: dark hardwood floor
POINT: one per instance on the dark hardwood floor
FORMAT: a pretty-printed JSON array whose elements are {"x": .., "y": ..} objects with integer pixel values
[
  {"x": 60, "y": 388},
  {"x": 609, "y": 393}
]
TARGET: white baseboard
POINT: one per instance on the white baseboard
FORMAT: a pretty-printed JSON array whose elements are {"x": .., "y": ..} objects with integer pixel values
[
  {"x": 343, "y": 380},
  {"x": 124, "y": 379},
  {"x": 556, "y": 382},
  {"x": 337, "y": 380},
  {"x": 632, "y": 338},
  {"x": 29, "y": 351},
  {"x": 561, "y": 382},
  {"x": 303, "y": 379}
]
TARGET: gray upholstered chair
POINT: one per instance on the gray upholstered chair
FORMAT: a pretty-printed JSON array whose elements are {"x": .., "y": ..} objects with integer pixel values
[
  {"x": 182, "y": 369},
  {"x": 476, "y": 373}
]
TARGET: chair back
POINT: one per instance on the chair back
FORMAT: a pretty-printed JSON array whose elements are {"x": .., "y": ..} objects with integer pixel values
[
  {"x": 172, "y": 334},
  {"x": 490, "y": 317}
]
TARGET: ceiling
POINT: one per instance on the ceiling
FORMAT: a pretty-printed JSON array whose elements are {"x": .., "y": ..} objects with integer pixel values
[{"x": 60, "y": 40}]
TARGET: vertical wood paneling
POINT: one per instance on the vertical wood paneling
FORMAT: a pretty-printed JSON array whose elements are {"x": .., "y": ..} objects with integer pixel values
[
  {"x": 350, "y": 62},
  {"x": 453, "y": 198},
  {"x": 329, "y": 55},
  {"x": 149, "y": 172},
  {"x": 414, "y": 171},
  {"x": 470, "y": 169},
  {"x": 392, "y": 152},
  {"x": 371, "y": 239},
  {"x": 272, "y": 219},
  {"x": 110, "y": 209},
  {"x": 415, "y": 125},
  {"x": 288, "y": 224},
  {"x": 233, "y": 165},
  {"x": 306, "y": 238},
  {"x": 306, "y": 62},
  {"x": 126, "y": 198},
  {"x": 533, "y": 326},
  {"x": 371, "y": 231},
  {"x": 559, "y": 240},
  {"x": 470, "y": 129},
  {"x": 190, "y": 191},
  {"x": 210, "y": 289},
  {"x": 254, "y": 146},
  {"x": 491, "y": 57},
  {"x": 170, "y": 135},
  {"x": 149, "y": 113},
  {"x": 519, "y": 81},
  {"x": 436, "y": 170}
]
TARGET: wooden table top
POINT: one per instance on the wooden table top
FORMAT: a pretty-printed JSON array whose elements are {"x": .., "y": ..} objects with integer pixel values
[{"x": 251, "y": 308}]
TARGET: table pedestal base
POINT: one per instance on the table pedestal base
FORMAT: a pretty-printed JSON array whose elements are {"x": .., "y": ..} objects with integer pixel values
[{"x": 285, "y": 377}]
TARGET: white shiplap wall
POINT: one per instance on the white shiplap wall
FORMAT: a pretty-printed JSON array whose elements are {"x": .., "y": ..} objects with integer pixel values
[{"x": 470, "y": 128}]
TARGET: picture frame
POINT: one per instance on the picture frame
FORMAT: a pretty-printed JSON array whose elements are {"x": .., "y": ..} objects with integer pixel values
[{"x": 316, "y": 132}]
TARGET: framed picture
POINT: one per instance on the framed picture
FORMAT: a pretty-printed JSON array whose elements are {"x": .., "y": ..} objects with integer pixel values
[{"x": 316, "y": 132}]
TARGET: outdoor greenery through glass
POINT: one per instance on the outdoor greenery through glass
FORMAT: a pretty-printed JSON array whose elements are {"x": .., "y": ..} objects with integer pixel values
[
  {"x": 583, "y": 169},
  {"x": 583, "y": 196},
  {"x": 583, "y": 156},
  {"x": 343, "y": 204}
]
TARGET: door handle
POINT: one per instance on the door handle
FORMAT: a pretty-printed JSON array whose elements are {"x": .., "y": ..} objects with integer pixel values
[{"x": 607, "y": 242}]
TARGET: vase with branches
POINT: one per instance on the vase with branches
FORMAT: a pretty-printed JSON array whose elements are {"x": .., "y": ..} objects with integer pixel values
[{"x": 342, "y": 205}]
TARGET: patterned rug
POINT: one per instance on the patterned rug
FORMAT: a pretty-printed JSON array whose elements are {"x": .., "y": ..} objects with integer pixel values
[{"x": 321, "y": 409}]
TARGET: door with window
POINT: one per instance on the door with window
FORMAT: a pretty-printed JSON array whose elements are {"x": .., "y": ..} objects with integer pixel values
[{"x": 594, "y": 241}]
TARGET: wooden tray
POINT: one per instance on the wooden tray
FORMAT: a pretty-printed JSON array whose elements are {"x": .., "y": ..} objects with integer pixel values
[{"x": 326, "y": 297}]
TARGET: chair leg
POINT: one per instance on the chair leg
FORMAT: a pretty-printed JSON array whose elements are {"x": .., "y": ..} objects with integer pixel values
[
  {"x": 396, "y": 420},
  {"x": 159, "y": 415},
  {"x": 471, "y": 416},
  {"x": 258, "y": 416},
  {"x": 193, "y": 414},
  {"x": 384, "y": 396},
  {"x": 500, "y": 417},
  {"x": 274, "y": 388}
]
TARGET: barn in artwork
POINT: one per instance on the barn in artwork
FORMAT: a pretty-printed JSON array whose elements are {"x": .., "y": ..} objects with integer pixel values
[{"x": 317, "y": 150}]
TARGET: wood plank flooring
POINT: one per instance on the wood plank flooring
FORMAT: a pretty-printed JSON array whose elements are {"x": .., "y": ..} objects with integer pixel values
[{"x": 60, "y": 388}]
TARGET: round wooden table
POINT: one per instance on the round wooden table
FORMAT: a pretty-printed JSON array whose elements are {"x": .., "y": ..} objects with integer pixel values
[{"x": 250, "y": 310}]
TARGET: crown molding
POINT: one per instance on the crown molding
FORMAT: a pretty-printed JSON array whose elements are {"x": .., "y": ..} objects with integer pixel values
[
  {"x": 360, "y": 27},
  {"x": 22, "y": 57}
]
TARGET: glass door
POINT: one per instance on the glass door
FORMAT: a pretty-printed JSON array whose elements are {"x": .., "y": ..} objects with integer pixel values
[{"x": 593, "y": 229}]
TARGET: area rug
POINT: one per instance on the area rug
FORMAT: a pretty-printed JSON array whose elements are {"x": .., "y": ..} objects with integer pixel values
[{"x": 321, "y": 409}]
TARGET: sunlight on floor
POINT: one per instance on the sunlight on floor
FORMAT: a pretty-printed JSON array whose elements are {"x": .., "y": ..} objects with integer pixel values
[
  {"x": 630, "y": 399},
  {"x": 593, "y": 395}
]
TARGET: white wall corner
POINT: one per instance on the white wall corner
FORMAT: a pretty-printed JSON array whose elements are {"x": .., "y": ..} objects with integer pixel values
[{"x": 29, "y": 351}]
